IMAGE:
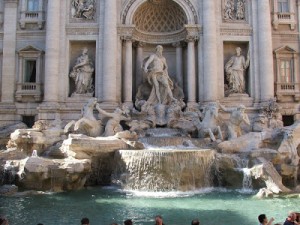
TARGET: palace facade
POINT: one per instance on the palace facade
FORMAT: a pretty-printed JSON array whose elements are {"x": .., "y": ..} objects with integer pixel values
[{"x": 42, "y": 44}]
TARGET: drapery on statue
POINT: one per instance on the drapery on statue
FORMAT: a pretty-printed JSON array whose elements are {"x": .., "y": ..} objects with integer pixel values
[
  {"x": 113, "y": 125},
  {"x": 156, "y": 68},
  {"x": 237, "y": 117},
  {"x": 83, "y": 9},
  {"x": 82, "y": 74},
  {"x": 235, "y": 72}
]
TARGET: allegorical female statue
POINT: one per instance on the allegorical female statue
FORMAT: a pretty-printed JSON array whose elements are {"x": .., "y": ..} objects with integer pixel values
[
  {"x": 235, "y": 72},
  {"x": 82, "y": 74}
]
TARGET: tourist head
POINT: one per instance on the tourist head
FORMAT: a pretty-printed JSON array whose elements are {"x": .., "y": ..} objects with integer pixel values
[
  {"x": 292, "y": 216},
  {"x": 158, "y": 220},
  {"x": 262, "y": 218},
  {"x": 128, "y": 222},
  {"x": 195, "y": 222},
  {"x": 85, "y": 221},
  {"x": 40, "y": 224},
  {"x": 3, "y": 220}
]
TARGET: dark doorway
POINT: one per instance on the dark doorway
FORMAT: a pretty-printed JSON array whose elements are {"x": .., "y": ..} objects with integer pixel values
[
  {"x": 28, "y": 120},
  {"x": 287, "y": 120}
]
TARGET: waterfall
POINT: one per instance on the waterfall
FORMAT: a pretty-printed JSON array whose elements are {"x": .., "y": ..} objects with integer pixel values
[
  {"x": 163, "y": 170},
  {"x": 247, "y": 180}
]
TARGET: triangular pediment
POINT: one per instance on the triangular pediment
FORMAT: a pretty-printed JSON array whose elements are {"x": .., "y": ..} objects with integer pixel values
[
  {"x": 284, "y": 50},
  {"x": 30, "y": 48}
]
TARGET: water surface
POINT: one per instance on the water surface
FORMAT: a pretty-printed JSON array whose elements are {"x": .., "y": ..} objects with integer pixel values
[{"x": 106, "y": 205}]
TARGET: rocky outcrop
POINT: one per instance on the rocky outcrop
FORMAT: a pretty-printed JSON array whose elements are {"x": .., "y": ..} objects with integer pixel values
[
  {"x": 55, "y": 175},
  {"x": 7, "y": 130}
]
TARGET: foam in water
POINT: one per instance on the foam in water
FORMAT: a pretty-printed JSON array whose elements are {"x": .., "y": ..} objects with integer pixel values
[{"x": 163, "y": 170}]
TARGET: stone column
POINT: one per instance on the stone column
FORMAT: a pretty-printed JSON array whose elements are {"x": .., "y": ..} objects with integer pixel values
[
  {"x": 191, "y": 72},
  {"x": 178, "y": 46},
  {"x": 52, "y": 52},
  {"x": 9, "y": 50},
  {"x": 210, "y": 76},
  {"x": 139, "y": 61},
  {"x": 127, "y": 83},
  {"x": 109, "y": 72},
  {"x": 264, "y": 33}
]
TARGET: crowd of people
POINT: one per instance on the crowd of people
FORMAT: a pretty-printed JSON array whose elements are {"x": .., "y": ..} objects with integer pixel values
[{"x": 292, "y": 219}]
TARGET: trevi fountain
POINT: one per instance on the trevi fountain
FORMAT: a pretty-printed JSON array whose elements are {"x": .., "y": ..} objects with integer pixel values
[
  {"x": 160, "y": 147},
  {"x": 143, "y": 108}
]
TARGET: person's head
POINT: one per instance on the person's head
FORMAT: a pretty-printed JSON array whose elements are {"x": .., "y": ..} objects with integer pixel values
[
  {"x": 159, "y": 49},
  {"x": 84, "y": 51},
  {"x": 262, "y": 218},
  {"x": 158, "y": 220},
  {"x": 195, "y": 222},
  {"x": 3, "y": 220},
  {"x": 40, "y": 224},
  {"x": 238, "y": 51},
  {"x": 128, "y": 222},
  {"x": 85, "y": 221},
  {"x": 292, "y": 216},
  {"x": 242, "y": 108}
]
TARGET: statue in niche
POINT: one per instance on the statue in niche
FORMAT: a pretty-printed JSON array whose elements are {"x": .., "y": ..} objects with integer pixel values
[
  {"x": 82, "y": 74},
  {"x": 237, "y": 117},
  {"x": 240, "y": 10},
  {"x": 156, "y": 68},
  {"x": 113, "y": 125},
  {"x": 83, "y": 9},
  {"x": 235, "y": 72},
  {"x": 209, "y": 124},
  {"x": 229, "y": 10}
]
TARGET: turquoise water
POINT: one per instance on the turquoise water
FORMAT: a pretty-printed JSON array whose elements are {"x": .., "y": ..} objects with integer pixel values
[{"x": 107, "y": 205}]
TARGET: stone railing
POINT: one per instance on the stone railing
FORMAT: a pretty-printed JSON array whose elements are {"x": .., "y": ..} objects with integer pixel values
[
  {"x": 32, "y": 91},
  {"x": 288, "y": 89},
  {"x": 32, "y": 17},
  {"x": 284, "y": 18}
]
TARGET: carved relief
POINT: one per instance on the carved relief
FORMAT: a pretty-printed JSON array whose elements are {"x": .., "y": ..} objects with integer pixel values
[
  {"x": 84, "y": 9},
  {"x": 234, "y": 10}
]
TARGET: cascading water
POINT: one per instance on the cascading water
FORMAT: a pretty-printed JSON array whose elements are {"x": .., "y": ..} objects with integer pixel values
[{"x": 163, "y": 170}]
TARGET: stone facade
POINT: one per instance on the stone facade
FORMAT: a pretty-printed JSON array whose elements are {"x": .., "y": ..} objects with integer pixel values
[{"x": 40, "y": 41}]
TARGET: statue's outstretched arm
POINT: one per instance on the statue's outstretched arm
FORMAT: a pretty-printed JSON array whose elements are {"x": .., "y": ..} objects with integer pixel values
[{"x": 101, "y": 111}]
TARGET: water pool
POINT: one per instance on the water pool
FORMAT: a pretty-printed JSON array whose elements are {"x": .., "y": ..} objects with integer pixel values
[{"x": 106, "y": 205}]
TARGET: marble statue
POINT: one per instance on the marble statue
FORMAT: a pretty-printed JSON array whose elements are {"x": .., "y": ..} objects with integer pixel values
[
  {"x": 82, "y": 74},
  {"x": 235, "y": 71},
  {"x": 156, "y": 69},
  {"x": 113, "y": 125},
  {"x": 240, "y": 10},
  {"x": 88, "y": 124},
  {"x": 209, "y": 123},
  {"x": 83, "y": 9},
  {"x": 237, "y": 117},
  {"x": 229, "y": 10}
]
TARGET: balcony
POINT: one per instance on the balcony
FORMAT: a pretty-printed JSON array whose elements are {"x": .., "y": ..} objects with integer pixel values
[
  {"x": 288, "y": 90},
  {"x": 32, "y": 17},
  {"x": 29, "y": 92},
  {"x": 284, "y": 18}
]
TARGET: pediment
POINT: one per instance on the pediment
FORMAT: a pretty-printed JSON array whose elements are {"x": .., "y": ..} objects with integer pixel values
[
  {"x": 30, "y": 48},
  {"x": 285, "y": 50}
]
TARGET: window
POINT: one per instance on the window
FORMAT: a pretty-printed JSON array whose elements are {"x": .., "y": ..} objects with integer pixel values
[
  {"x": 286, "y": 73},
  {"x": 287, "y": 84},
  {"x": 30, "y": 75},
  {"x": 283, "y": 6},
  {"x": 32, "y": 14},
  {"x": 32, "y": 5},
  {"x": 283, "y": 14},
  {"x": 30, "y": 71}
]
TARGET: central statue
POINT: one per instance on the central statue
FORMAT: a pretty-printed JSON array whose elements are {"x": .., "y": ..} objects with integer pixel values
[{"x": 156, "y": 69}]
